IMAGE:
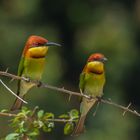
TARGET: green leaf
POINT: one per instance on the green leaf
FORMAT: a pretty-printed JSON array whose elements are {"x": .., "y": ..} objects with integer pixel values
[
  {"x": 40, "y": 114},
  {"x": 4, "y": 110},
  {"x": 50, "y": 124},
  {"x": 47, "y": 129},
  {"x": 74, "y": 114},
  {"x": 64, "y": 116},
  {"x": 68, "y": 128},
  {"x": 12, "y": 136},
  {"x": 34, "y": 133},
  {"x": 21, "y": 115},
  {"x": 35, "y": 123},
  {"x": 24, "y": 108},
  {"x": 38, "y": 124},
  {"x": 48, "y": 116}
]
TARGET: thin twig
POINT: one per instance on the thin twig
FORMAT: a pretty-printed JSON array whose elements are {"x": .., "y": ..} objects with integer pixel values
[
  {"x": 60, "y": 120},
  {"x": 127, "y": 108},
  {"x": 121, "y": 107},
  {"x": 7, "y": 114},
  {"x": 96, "y": 109},
  {"x": 62, "y": 90},
  {"x": 34, "y": 111},
  {"x": 13, "y": 76},
  {"x": 51, "y": 120},
  {"x": 12, "y": 91}
]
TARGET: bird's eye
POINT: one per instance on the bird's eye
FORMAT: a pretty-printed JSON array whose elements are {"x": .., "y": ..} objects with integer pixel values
[{"x": 37, "y": 44}]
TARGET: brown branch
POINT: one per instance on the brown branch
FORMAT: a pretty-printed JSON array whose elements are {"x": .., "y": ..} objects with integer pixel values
[
  {"x": 7, "y": 114},
  {"x": 61, "y": 120},
  {"x": 12, "y": 91},
  {"x": 51, "y": 120},
  {"x": 43, "y": 85},
  {"x": 5, "y": 73},
  {"x": 126, "y": 109}
]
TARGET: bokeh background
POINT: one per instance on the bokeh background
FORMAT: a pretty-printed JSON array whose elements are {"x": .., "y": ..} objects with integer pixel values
[{"x": 111, "y": 27}]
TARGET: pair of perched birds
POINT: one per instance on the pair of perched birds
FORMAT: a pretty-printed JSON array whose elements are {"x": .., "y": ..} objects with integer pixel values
[{"x": 32, "y": 63}]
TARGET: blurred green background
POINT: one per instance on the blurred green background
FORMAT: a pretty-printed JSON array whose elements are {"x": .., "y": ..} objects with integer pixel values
[{"x": 111, "y": 27}]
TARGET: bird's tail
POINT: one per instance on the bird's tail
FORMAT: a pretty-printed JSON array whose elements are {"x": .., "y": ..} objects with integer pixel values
[
  {"x": 86, "y": 105},
  {"x": 17, "y": 104},
  {"x": 80, "y": 126}
]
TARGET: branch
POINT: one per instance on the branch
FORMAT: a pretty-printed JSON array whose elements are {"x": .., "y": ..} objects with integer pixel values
[
  {"x": 8, "y": 114},
  {"x": 125, "y": 109},
  {"x": 50, "y": 120},
  {"x": 43, "y": 85},
  {"x": 12, "y": 91}
]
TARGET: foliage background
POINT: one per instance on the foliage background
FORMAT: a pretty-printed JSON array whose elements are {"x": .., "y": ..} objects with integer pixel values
[{"x": 82, "y": 27}]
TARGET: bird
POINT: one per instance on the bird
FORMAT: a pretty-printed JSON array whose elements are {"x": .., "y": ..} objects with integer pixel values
[
  {"x": 31, "y": 65},
  {"x": 91, "y": 83}
]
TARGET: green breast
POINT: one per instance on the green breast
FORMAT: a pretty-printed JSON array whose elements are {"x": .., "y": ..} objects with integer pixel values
[
  {"x": 33, "y": 68},
  {"x": 94, "y": 84}
]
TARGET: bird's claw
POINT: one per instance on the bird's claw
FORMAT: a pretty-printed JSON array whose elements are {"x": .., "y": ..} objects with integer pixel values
[
  {"x": 99, "y": 98},
  {"x": 39, "y": 83},
  {"x": 27, "y": 79},
  {"x": 87, "y": 96}
]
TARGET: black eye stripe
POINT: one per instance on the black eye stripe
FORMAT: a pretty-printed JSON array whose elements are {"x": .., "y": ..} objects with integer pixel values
[
  {"x": 39, "y": 44},
  {"x": 36, "y": 44}
]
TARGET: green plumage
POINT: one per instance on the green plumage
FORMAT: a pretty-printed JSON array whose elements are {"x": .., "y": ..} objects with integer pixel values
[
  {"x": 32, "y": 68},
  {"x": 92, "y": 81},
  {"x": 90, "y": 84},
  {"x": 31, "y": 64}
]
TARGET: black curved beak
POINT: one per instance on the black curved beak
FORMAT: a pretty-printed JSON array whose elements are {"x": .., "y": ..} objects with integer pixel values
[
  {"x": 52, "y": 44},
  {"x": 104, "y": 59}
]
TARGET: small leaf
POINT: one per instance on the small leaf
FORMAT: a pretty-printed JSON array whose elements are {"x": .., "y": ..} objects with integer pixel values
[
  {"x": 40, "y": 114},
  {"x": 38, "y": 124},
  {"x": 35, "y": 124},
  {"x": 64, "y": 116},
  {"x": 34, "y": 133},
  {"x": 24, "y": 108},
  {"x": 47, "y": 129},
  {"x": 12, "y": 136},
  {"x": 25, "y": 111},
  {"x": 50, "y": 124},
  {"x": 20, "y": 115},
  {"x": 68, "y": 128},
  {"x": 48, "y": 116},
  {"x": 4, "y": 110},
  {"x": 74, "y": 114}
]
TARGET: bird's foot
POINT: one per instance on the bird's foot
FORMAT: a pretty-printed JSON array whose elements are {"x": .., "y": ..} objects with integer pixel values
[
  {"x": 39, "y": 83},
  {"x": 27, "y": 79},
  {"x": 99, "y": 98},
  {"x": 88, "y": 97}
]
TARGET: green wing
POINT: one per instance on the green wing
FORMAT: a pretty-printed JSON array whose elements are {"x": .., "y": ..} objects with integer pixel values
[
  {"x": 21, "y": 66},
  {"x": 82, "y": 81},
  {"x": 20, "y": 71}
]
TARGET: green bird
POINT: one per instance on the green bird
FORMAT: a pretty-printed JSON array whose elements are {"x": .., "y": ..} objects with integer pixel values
[
  {"x": 92, "y": 80},
  {"x": 31, "y": 65}
]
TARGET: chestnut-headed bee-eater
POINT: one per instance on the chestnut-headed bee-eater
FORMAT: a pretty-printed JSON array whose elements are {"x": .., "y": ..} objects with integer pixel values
[
  {"x": 92, "y": 80},
  {"x": 31, "y": 65}
]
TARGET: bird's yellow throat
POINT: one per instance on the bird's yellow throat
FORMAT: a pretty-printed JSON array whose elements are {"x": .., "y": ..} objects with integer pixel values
[
  {"x": 95, "y": 67},
  {"x": 37, "y": 52}
]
